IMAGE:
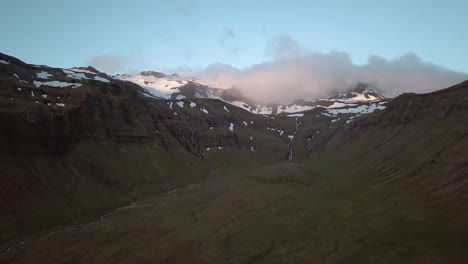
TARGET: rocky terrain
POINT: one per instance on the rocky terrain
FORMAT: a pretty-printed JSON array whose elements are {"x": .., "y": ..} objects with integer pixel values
[{"x": 152, "y": 168}]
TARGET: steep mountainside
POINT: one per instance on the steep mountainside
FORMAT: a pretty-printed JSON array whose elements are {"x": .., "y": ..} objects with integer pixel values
[{"x": 62, "y": 128}]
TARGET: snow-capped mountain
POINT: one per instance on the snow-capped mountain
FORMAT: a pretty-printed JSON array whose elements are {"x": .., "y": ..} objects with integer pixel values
[
  {"x": 156, "y": 84},
  {"x": 362, "y": 98},
  {"x": 360, "y": 93}
]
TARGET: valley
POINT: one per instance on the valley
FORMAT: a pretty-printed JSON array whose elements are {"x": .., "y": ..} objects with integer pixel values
[{"x": 99, "y": 169}]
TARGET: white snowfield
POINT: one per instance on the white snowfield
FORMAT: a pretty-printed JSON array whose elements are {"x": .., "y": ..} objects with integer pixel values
[
  {"x": 361, "y": 109},
  {"x": 80, "y": 75},
  {"x": 4, "y": 62},
  {"x": 231, "y": 127},
  {"x": 81, "y": 70},
  {"x": 56, "y": 84},
  {"x": 360, "y": 96},
  {"x": 74, "y": 75},
  {"x": 296, "y": 115},
  {"x": 180, "y": 104},
  {"x": 98, "y": 78},
  {"x": 293, "y": 108},
  {"x": 159, "y": 87},
  {"x": 256, "y": 109}
]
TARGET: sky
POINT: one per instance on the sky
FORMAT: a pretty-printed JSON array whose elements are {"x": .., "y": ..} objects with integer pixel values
[{"x": 194, "y": 36}]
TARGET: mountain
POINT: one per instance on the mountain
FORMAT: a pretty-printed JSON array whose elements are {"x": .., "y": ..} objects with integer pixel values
[
  {"x": 96, "y": 169},
  {"x": 361, "y": 92},
  {"x": 174, "y": 87}
]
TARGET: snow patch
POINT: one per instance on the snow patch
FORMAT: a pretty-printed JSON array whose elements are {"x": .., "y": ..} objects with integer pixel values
[
  {"x": 160, "y": 87},
  {"x": 81, "y": 70},
  {"x": 362, "y": 109},
  {"x": 278, "y": 130},
  {"x": 98, "y": 78},
  {"x": 74, "y": 75},
  {"x": 43, "y": 75},
  {"x": 296, "y": 115},
  {"x": 56, "y": 84},
  {"x": 293, "y": 108},
  {"x": 231, "y": 127}
]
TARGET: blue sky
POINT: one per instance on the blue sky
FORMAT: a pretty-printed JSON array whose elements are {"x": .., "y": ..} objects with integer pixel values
[{"x": 168, "y": 34}]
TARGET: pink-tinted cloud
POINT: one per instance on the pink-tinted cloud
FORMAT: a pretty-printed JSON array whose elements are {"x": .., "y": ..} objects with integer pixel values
[{"x": 295, "y": 74}]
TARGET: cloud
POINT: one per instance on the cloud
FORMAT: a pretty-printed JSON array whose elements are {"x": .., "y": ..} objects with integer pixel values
[
  {"x": 294, "y": 73},
  {"x": 108, "y": 63}
]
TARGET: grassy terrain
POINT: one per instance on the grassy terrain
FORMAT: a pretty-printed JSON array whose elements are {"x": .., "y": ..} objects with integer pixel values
[{"x": 278, "y": 214}]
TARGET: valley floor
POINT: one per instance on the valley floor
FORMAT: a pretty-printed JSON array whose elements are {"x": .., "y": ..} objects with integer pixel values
[{"x": 277, "y": 214}]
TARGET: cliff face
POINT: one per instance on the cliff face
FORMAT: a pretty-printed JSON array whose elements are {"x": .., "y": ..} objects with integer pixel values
[{"x": 79, "y": 142}]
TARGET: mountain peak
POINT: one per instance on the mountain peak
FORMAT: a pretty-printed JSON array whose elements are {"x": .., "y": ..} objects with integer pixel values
[
  {"x": 153, "y": 73},
  {"x": 360, "y": 92},
  {"x": 86, "y": 69}
]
